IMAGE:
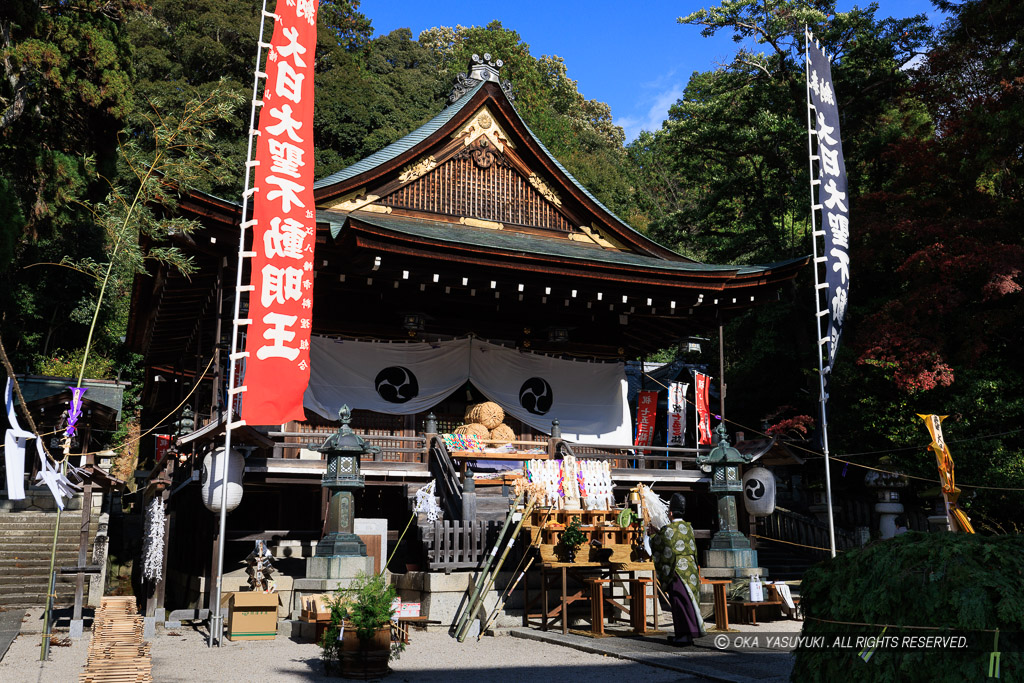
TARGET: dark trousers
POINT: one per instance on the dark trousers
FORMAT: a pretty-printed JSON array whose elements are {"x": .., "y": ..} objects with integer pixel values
[{"x": 684, "y": 618}]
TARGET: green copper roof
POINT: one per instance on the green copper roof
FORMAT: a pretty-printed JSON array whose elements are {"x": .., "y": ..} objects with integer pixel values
[
  {"x": 400, "y": 146},
  {"x": 508, "y": 241}
]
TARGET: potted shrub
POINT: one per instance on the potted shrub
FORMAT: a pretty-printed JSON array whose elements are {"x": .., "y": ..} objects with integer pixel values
[
  {"x": 572, "y": 538},
  {"x": 359, "y": 635}
]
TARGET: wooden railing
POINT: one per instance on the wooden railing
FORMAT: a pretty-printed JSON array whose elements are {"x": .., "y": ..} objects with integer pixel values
[
  {"x": 392, "y": 448},
  {"x": 806, "y": 534},
  {"x": 456, "y": 544},
  {"x": 446, "y": 474},
  {"x": 631, "y": 457}
]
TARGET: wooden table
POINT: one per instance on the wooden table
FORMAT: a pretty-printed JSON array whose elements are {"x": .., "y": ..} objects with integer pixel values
[
  {"x": 401, "y": 631},
  {"x": 592, "y": 577},
  {"x": 465, "y": 457},
  {"x": 721, "y": 604}
]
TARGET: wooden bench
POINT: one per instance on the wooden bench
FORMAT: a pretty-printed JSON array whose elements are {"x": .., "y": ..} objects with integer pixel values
[
  {"x": 746, "y": 611},
  {"x": 773, "y": 594}
]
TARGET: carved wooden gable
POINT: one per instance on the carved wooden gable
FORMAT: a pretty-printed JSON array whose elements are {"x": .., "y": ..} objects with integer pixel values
[{"x": 477, "y": 177}]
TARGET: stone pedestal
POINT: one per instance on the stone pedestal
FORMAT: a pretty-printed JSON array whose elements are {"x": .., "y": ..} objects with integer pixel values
[
  {"x": 938, "y": 523},
  {"x": 887, "y": 514},
  {"x": 730, "y": 549},
  {"x": 732, "y": 572},
  {"x": 338, "y": 566}
]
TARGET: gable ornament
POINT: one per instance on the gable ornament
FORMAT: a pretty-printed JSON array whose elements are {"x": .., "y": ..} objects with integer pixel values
[
  {"x": 549, "y": 194},
  {"x": 417, "y": 169}
]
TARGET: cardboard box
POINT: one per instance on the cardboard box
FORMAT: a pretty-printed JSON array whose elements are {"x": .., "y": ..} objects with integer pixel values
[
  {"x": 252, "y": 615},
  {"x": 315, "y": 608}
]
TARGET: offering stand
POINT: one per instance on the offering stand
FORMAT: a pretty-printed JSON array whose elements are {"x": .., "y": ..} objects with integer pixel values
[{"x": 591, "y": 580}]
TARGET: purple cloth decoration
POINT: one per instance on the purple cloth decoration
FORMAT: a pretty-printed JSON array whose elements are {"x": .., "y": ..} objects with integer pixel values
[{"x": 75, "y": 409}]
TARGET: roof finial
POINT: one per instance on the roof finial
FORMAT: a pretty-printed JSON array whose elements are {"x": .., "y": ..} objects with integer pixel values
[{"x": 480, "y": 69}]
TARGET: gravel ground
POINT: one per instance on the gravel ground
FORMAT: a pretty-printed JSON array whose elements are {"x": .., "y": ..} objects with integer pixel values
[{"x": 431, "y": 657}]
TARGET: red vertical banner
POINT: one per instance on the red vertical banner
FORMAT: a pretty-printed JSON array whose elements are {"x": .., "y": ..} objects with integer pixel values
[
  {"x": 163, "y": 444},
  {"x": 700, "y": 386},
  {"x": 284, "y": 230},
  {"x": 646, "y": 412}
]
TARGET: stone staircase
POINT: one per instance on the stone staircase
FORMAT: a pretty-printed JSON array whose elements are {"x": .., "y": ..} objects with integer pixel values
[{"x": 25, "y": 542}]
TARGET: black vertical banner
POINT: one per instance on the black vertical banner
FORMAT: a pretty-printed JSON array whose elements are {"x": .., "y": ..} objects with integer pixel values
[{"x": 832, "y": 199}]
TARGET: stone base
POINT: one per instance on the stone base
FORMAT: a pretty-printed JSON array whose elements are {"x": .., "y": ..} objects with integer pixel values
[
  {"x": 441, "y": 595},
  {"x": 326, "y": 575},
  {"x": 737, "y": 558},
  {"x": 339, "y": 544},
  {"x": 337, "y": 567},
  {"x": 733, "y": 572},
  {"x": 76, "y": 629}
]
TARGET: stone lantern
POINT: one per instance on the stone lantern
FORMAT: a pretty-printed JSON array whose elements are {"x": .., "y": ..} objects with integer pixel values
[
  {"x": 342, "y": 452},
  {"x": 730, "y": 549},
  {"x": 887, "y": 487}
]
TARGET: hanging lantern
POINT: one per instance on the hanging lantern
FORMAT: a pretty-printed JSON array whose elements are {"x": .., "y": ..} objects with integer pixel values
[
  {"x": 213, "y": 477},
  {"x": 759, "y": 491}
]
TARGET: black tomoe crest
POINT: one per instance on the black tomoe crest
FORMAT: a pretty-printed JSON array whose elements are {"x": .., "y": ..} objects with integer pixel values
[
  {"x": 535, "y": 395},
  {"x": 754, "y": 489},
  {"x": 396, "y": 384}
]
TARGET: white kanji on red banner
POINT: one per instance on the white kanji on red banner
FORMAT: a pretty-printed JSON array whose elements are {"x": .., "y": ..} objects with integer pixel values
[{"x": 277, "y": 370}]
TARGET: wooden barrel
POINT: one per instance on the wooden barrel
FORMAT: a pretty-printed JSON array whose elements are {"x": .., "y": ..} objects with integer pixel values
[{"x": 365, "y": 659}]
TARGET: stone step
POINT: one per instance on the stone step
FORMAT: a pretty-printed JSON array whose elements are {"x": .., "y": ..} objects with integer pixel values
[
  {"x": 47, "y": 534},
  {"x": 31, "y": 583},
  {"x": 34, "y": 558},
  {"x": 28, "y": 599},
  {"x": 32, "y": 515},
  {"x": 12, "y": 563},
  {"x": 65, "y": 553}
]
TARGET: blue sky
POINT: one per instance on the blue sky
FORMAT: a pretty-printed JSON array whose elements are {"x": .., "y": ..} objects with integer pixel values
[{"x": 635, "y": 58}]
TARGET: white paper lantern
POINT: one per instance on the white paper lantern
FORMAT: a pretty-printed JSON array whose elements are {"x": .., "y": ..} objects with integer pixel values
[
  {"x": 213, "y": 476},
  {"x": 759, "y": 491}
]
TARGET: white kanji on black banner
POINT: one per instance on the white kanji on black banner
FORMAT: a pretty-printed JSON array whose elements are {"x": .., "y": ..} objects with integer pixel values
[{"x": 832, "y": 199}]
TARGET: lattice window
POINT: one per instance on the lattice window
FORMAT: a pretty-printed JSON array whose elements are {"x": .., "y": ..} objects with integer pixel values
[{"x": 488, "y": 190}]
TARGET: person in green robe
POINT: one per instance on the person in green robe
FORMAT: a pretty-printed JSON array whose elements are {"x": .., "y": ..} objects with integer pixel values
[{"x": 675, "y": 559}]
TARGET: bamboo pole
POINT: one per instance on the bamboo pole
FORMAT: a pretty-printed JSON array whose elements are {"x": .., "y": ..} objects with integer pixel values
[
  {"x": 504, "y": 598},
  {"x": 481, "y": 576},
  {"x": 474, "y": 608}
]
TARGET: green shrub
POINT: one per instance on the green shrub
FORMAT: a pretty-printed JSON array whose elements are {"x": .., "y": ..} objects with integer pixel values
[
  {"x": 966, "y": 584},
  {"x": 365, "y": 606}
]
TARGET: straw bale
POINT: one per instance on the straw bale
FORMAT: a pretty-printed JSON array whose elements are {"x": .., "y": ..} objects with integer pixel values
[
  {"x": 474, "y": 429},
  {"x": 501, "y": 435},
  {"x": 489, "y": 414}
]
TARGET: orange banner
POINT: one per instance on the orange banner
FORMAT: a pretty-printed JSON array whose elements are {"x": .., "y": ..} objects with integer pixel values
[{"x": 944, "y": 460}]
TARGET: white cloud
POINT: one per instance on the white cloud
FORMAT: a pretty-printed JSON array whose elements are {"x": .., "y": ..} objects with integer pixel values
[{"x": 657, "y": 110}]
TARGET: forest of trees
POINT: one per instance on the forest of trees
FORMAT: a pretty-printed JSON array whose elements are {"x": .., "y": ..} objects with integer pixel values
[{"x": 933, "y": 132}]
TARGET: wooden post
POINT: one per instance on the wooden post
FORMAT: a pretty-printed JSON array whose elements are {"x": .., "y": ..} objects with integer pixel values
[
  {"x": 555, "y": 439},
  {"x": 159, "y": 590}
]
